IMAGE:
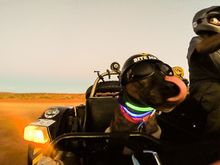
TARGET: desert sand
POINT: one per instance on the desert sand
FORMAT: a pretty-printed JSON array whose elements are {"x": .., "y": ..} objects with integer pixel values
[{"x": 17, "y": 111}]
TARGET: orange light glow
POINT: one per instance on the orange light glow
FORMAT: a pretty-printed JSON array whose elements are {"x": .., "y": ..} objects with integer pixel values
[{"x": 36, "y": 134}]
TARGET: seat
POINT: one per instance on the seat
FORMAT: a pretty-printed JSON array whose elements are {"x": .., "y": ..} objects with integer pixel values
[{"x": 99, "y": 113}]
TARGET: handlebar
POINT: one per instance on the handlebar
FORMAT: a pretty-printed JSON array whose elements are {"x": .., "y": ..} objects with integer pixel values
[
  {"x": 101, "y": 76},
  {"x": 105, "y": 136}
]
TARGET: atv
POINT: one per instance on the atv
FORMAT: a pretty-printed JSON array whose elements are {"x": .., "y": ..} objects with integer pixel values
[{"x": 78, "y": 133}]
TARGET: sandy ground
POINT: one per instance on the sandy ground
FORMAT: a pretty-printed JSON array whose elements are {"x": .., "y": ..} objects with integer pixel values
[{"x": 15, "y": 115}]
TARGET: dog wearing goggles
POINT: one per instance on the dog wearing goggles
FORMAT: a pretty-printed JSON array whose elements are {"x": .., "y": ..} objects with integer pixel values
[{"x": 149, "y": 87}]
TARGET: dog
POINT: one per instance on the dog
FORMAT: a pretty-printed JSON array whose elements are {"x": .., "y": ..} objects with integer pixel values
[{"x": 147, "y": 84}]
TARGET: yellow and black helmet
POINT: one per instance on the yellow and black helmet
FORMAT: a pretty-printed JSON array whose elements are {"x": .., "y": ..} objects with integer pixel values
[{"x": 207, "y": 20}]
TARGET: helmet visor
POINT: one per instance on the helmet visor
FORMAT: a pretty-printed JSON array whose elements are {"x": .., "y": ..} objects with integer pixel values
[{"x": 214, "y": 18}]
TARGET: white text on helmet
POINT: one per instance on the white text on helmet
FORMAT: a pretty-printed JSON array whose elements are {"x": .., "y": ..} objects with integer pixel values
[{"x": 148, "y": 57}]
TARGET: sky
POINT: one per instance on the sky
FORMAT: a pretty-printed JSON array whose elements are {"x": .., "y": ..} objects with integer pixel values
[{"x": 55, "y": 46}]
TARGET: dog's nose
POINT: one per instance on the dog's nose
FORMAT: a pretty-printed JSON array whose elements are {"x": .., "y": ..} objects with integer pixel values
[{"x": 181, "y": 95}]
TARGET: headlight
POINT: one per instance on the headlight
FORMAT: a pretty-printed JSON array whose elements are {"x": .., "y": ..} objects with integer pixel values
[{"x": 37, "y": 134}]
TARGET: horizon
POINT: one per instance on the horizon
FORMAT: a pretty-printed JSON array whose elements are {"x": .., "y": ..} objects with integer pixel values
[
  {"x": 2, "y": 92},
  {"x": 54, "y": 46}
]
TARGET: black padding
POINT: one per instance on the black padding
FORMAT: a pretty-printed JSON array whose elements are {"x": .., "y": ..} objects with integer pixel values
[
  {"x": 186, "y": 122},
  {"x": 62, "y": 120},
  {"x": 100, "y": 113}
]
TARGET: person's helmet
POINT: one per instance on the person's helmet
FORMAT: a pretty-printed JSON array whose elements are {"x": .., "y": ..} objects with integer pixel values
[
  {"x": 207, "y": 20},
  {"x": 138, "y": 66}
]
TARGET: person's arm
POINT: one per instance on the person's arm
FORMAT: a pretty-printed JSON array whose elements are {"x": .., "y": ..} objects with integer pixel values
[{"x": 208, "y": 45}]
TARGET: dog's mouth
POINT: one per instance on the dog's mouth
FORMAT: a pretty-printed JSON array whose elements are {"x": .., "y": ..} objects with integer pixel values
[
  {"x": 181, "y": 89},
  {"x": 171, "y": 91},
  {"x": 157, "y": 91}
]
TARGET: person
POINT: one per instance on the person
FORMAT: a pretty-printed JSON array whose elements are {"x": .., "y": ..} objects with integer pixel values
[{"x": 204, "y": 71}]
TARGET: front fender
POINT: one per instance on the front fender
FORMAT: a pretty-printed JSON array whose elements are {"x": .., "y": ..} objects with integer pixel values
[{"x": 61, "y": 118}]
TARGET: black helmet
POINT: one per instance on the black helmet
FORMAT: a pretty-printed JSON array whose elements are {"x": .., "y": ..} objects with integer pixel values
[
  {"x": 131, "y": 71},
  {"x": 203, "y": 20}
]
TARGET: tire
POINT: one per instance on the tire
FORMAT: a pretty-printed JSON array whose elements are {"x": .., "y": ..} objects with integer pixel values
[
  {"x": 30, "y": 155},
  {"x": 103, "y": 87}
]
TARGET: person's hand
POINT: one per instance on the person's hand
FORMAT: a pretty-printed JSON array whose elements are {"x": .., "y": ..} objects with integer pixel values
[
  {"x": 49, "y": 161},
  {"x": 46, "y": 160},
  {"x": 216, "y": 163}
]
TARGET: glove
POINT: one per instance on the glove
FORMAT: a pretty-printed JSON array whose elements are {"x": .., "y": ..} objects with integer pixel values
[{"x": 49, "y": 161}]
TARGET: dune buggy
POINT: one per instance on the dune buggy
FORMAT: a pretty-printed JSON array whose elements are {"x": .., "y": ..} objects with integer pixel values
[{"x": 78, "y": 133}]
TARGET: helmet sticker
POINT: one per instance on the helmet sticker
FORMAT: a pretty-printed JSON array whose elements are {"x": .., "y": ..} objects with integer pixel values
[{"x": 144, "y": 57}]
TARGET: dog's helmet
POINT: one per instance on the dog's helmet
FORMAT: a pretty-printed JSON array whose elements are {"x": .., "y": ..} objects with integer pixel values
[
  {"x": 135, "y": 68},
  {"x": 207, "y": 20}
]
